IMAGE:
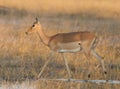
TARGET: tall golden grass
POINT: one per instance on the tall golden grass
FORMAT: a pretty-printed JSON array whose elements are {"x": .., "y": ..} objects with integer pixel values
[{"x": 22, "y": 56}]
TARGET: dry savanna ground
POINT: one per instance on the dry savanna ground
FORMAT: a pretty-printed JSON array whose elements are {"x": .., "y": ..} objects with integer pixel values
[{"x": 22, "y": 56}]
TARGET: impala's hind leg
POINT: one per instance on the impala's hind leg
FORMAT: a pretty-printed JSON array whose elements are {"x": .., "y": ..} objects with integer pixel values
[
  {"x": 94, "y": 53},
  {"x": 100, "y": 59},
  {"x": 88, "y": 56}
]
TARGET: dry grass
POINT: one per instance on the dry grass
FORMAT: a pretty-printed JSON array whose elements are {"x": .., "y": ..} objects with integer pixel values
[{"x": 22, "y": 57}]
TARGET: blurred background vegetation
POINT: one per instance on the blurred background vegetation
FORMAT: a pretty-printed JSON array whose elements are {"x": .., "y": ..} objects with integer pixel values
[{"x": 94, "y": 8}]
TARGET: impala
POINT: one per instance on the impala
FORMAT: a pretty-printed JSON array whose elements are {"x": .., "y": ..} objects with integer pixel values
[{"x": 68, "y": 43}]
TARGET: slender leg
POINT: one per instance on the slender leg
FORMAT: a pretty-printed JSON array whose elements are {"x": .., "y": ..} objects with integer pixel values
[
  {"x": 97, "y": 66},
  {"x": 66, "y": 63},
  {"x": 88, "y": 62},
  {"x": 100, "y": 59},
  {"x": 45, "y": 65}
]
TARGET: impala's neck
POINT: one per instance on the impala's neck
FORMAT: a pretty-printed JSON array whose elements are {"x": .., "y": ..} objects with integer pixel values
[{"x": 43, "y": 37}]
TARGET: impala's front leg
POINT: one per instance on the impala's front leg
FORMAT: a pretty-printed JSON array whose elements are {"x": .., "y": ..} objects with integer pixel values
[
  {"x": 45, "y": 65},
  {"x": 66, "y": 63}
]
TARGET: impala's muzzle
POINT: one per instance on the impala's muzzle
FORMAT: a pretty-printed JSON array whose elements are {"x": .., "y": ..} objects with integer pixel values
[{"x": 26, "y": 33}]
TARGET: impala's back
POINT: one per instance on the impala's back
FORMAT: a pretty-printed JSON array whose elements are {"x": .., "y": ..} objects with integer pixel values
[{"x": 71, "y": 42}]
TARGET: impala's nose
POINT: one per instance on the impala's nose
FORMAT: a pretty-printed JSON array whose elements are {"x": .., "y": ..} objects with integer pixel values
[{"x": 26, "y": 33}]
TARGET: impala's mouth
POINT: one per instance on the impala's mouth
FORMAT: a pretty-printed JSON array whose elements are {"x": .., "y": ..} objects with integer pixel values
[{"x": 26, "y": 33}]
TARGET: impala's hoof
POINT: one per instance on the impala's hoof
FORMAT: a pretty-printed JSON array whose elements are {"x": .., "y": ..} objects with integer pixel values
[
  {"x": 89, "y": 76},
  {"x": 37, "y": 78},
  {"x": 107, "y": 80},
  {"x": 69, "y": 80},
  {"x": 105, "y": 72}
]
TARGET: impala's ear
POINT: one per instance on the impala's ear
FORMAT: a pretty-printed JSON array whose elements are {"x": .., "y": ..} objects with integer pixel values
[{"x": 37, "y": 19}]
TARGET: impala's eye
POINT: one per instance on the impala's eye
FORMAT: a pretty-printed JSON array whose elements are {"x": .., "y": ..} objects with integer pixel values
[{"x": 33, "y": 25}]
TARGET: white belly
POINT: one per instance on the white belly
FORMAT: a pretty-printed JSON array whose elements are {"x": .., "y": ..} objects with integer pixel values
[
  {"x": 69, "y": 51},
  {"x": 70, "y": 47}
]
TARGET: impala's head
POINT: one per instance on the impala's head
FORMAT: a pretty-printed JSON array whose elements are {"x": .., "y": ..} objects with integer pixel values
[{"x": 34, "y": 28}]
